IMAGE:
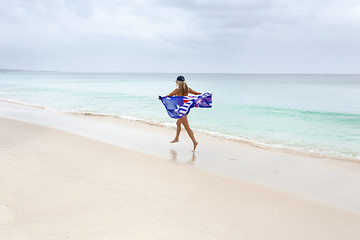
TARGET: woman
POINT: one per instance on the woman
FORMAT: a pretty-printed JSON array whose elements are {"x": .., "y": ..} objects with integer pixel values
[{"x": 183, "y": 90}]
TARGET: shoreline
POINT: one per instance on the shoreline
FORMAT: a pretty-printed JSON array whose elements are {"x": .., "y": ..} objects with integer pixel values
[
  {"x": 307, "y": 177},
  {"x": 271, "y": 147},
  {"x": 58, "y": 185}
]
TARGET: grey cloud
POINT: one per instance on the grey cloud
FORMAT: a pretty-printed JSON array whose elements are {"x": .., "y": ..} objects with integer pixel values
[
  {"x": 217, "y": 5},
  {"x": 195, "y": 34}
]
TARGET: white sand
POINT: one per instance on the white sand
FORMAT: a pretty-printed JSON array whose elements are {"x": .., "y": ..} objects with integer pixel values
[
  {"x": 332, "y": 182},
  {"x": 56, "y": 185}
]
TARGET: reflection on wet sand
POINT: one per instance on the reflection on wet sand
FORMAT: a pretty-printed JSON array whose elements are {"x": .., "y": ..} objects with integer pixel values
[{"x": 174, "y": 157}]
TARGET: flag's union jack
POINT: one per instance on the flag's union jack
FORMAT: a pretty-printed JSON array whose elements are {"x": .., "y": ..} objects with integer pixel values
[{"x": 178, "y": 107}]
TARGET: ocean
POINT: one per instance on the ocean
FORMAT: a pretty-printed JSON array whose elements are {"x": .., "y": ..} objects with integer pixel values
[{"x": 315, "y": 114}]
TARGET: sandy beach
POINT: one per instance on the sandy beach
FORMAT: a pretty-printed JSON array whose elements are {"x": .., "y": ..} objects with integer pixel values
[
  {"x": 58, "y": 185},
  {"x": 93, "y": 95}
]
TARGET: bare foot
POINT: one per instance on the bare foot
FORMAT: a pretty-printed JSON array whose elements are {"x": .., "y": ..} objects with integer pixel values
[
  {"x": 174, "y": 141},
  {"x": 195, "y": 145}
]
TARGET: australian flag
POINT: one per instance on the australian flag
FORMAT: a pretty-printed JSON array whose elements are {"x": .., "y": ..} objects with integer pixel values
[{"x": 178, "y": 107}]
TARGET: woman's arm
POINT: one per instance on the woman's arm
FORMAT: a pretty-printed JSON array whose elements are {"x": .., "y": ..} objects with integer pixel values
[
  {"x": 173, "y": 93},
  {"x": 193, "y": 92}
]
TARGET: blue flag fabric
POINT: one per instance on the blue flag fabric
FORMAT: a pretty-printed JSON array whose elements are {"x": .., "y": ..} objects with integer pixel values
[{"x": 178, "y": 107}]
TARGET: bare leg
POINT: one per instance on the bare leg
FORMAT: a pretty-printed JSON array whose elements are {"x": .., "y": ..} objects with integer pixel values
[
  {"x": 178, "y": 130},
  {"x": 189, "y": 131}
]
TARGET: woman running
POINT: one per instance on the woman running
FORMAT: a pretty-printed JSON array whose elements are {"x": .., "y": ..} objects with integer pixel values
[{"x": 183, "y": 90}]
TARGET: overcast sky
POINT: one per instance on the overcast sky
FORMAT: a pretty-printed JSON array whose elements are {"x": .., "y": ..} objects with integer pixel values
[{"x": 244, "y": 36}]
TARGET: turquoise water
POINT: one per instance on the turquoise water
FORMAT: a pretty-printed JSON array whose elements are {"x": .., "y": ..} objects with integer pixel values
[{"x": 317, "y": 114}]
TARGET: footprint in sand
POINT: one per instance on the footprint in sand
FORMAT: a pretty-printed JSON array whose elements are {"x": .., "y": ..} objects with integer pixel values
[{"x": 6, "y": 215}]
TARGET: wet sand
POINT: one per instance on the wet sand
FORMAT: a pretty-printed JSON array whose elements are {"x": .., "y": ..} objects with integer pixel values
[{"x": 59, "y": 185}]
